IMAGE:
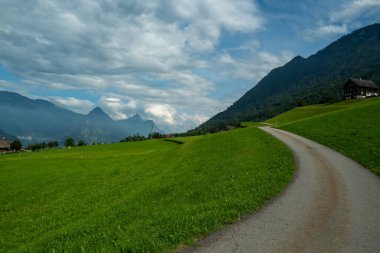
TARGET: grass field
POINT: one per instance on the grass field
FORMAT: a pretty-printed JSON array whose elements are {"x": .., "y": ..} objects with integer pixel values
[
  {"x": 151, "y": 196},
  {"x": 351, "y": 127},
  {"x": 301, "y": 113}
]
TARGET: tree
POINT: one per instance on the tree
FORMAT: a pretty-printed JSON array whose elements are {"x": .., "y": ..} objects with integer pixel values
[
  {"x": 81, "y": 143},
  {"x": 155, "y": 135},
  {"x": 16, "y": 145},
  {"x": 300, "y": 103},
  {"x": 69, "y": 142},
  {"x": 53, "y": 144},
  {"x": 327, "y": 99},
  {"x": 134, "y": 138}
]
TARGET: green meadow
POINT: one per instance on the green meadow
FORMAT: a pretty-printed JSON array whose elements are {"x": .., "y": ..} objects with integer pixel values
[
  {"x": 350, "y": 127},
  {"x": 151, "y": 196},
  {"x": 302, "y": 113}
]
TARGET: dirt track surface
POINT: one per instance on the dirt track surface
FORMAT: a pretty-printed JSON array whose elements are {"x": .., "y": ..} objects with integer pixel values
[{"x": 332, "y": 205}]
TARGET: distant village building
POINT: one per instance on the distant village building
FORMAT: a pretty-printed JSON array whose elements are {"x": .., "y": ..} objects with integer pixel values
[
  {"x": 5, "y": 146},
  {"x": 357, "y": 88}
]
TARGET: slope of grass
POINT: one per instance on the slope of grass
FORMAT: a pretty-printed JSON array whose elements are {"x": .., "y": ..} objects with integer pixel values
[
  {"x": 353, "y": 130},
  {"x": 148, "y": 196},
  {"x": 301, "y": 113}
]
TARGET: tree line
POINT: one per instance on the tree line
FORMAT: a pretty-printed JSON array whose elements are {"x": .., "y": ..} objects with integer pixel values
[
  {"x": 137, "y": 137},
  {"x": 69, "y": 142},
  {"x": 42, "y": 145}
]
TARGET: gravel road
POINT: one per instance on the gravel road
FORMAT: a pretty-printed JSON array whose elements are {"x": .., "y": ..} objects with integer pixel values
[{"x": 332, "y": 205}]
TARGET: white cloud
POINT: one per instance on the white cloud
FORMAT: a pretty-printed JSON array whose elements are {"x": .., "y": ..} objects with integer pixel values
[
  {"x": 164, "y": 114},
  {"x": 77, "y": 105},
  {"x": 191, "y": 121},
  {"x": 331, "y": 29},
  {"x": 204, "y": 19},
  {"x": 118, "y": 107},
  {"x": 342, "y": 17},
  {"x": 169, "y": 60},
  {"x": 115, "y": 37},
  {"x": 350, "y": 10},
  {"x": 5, "y": 84},
  {"x": 325, "y": 31},
  {"x": 256, "y": 66},
  {"x": 226, "y": 58},
  {"x": 192, "y": 83},
  {"x": 137, "y": 56},
  {"x": 112, "y": 100}
]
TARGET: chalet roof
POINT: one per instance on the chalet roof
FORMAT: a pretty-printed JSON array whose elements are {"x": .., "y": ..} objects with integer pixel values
[
  {"x": 364, "y": 83},
  {"x": 5, "y": 144}
]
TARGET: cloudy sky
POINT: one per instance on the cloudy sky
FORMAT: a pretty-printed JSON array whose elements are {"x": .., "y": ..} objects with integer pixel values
[{"x": 177, "y": 62}]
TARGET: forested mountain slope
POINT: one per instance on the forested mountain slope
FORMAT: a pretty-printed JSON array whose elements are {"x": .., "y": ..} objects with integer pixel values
[{"x": 319, "y": 78}]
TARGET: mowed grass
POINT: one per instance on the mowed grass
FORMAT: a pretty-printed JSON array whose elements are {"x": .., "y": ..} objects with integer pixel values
[
  {"x": 151, "y": 196},
  {"x": 301, "y": 113},
  {"x": 353, "y": 130}
]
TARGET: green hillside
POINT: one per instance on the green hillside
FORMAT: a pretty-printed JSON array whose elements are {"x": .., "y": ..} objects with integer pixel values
[
  {"x": 351, "y": 127},
  {"x": 136, "y": 197},
  {"x": 317, "y": 79},
  {"x": 301, "y": 113}
]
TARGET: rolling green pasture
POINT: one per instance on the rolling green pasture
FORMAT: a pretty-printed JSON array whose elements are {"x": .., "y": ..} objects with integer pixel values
[
  {"x": 301, "y": 113},
  {"x": 353, "y": 129},
  {"x": 151, "y": 196}
]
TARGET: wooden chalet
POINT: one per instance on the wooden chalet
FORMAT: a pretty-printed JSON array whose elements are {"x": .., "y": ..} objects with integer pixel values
[
  {"x": 358, "y": 88},
  {"x": 5, "y": 146}
]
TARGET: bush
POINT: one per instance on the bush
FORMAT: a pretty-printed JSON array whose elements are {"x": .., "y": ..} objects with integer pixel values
[
  {"x": 16, "y": 145},
  {"x": 53, "y": 144},
  {"x": 69, "y": 142},
  {"x": 81, "y": 143}
]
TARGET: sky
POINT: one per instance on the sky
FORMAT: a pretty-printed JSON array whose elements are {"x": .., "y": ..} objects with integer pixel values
[{"x": 178, "y": 62}]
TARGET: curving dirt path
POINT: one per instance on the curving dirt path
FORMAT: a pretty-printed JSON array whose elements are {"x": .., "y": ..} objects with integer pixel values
[{"x": 332, "y": 205}]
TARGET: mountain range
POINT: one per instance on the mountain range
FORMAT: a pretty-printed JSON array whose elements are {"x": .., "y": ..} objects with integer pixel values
[
  {"x": 6, "y": 136},
  {"x": 316, "y": 79},
  {"x": 39, "y": 120}
]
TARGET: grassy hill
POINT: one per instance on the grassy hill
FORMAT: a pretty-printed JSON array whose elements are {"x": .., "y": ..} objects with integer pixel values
[
  {"x": 137, "y": 197},
  {"x": 302, "y": 113},
  {"x": 316, "y": 79},
  {"x": 351, "y": 127}
]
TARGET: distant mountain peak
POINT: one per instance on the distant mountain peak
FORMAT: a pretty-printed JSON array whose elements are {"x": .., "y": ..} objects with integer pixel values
[
  {"x": 297, "y": 58},
  {"x": 136, "y": 117},
  {"x": 96, "y": 110},
  {"x": 38, "y": 120},
  {"x": 6, "y": 136},
  {"x": 98, "y": 114},
  {"x": 313, "y": 80},
  {"x": 136, "y": 125}
]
